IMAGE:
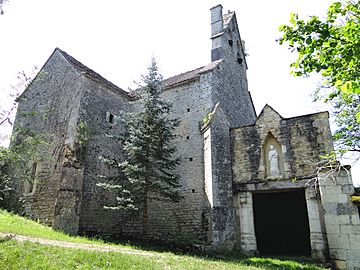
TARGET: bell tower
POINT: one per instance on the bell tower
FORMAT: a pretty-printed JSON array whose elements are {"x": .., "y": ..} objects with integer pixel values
[{"x": 225, "y": 36}]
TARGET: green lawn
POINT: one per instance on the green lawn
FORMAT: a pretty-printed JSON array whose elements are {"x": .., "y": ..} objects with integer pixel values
[
  {"x": 12, "y": 223},
  {"x": 27, "y": 255}
]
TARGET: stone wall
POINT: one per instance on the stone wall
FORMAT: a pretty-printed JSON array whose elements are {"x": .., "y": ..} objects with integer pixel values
[
  {"x": 230, "y": 88},
  {"x": 167, "y": 221},
  {"x": 300, "y": 142},
  {"x": 101, "y": 107},
  {"x": 341, "y": 219},
  {"x": 49, "y": 108},
  {"x": 234, "y": 108},
  {"x": 219, "y": 181},
  {"x": 190, "y": 218},
  {"x": 245, "y": 227}
]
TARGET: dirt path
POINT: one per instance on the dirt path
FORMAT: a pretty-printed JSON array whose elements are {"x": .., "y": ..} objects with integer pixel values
[{"x": 56, "y": 243}]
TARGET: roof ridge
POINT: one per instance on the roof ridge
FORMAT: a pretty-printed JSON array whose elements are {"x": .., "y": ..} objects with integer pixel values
[
  {"x": 191, "y": 74},
  {"x": 227, "y": 18},
  {"x": 88, "y": 71},
  {"x": 179, "y": 78}
]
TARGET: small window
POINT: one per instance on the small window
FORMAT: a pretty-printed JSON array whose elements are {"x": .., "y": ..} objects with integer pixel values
[
  {"x": 187, "y": 138},
  {"x": 230, "y": 42},
  {"x": 111, "y": 118},
  {"x": 191, "y": 159},
  {"x": 239, "y": 59},
  {"x": 188, "y": 109},
  {"x": 193, "y": 190}
]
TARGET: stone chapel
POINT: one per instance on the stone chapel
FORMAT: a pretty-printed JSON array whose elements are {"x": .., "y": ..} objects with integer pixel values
[{"x": 249, "y": 181}]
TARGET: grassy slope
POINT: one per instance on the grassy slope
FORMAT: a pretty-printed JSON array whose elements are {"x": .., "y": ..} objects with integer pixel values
[
  {"x": 26, "y": 255},
  {"x": 11, "y": 223}
]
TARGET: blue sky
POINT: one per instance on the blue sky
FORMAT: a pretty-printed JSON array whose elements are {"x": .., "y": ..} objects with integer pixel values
[{"x": 118, "y": 38}]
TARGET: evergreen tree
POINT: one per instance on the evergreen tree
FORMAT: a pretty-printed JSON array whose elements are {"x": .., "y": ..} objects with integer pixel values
[{"x": 148, "y": 168}]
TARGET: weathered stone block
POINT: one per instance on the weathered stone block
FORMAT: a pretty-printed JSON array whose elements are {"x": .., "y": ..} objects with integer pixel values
[
  {"x": 338, "y": 253},
  {"x": 343, "y": 198},
  {"x": 348, "y": 189},
  {"x": 315, "y": 225},
  {"x": 338, "y": 240},
  {"x": 340, "y": 264},
  {"x": 333, "y": 229},
  {"x": 355, "y": 242},
  {"x": 345, "y": 209}
]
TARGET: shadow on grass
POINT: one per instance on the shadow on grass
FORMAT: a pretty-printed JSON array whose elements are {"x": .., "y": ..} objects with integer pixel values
[
  {"x": 283, "y": 263},
  {"x": 236, "y": 257}
]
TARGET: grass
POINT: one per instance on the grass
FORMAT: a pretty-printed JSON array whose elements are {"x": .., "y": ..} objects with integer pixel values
[
  {"x": 11, "y": 223},
  {"x": 27, "y": 255}
]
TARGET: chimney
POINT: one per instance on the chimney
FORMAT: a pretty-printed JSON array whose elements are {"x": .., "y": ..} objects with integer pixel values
[{"x": 216, "y": 20}]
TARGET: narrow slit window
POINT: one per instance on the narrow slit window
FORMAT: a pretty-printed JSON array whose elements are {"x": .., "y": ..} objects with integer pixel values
[
  {"x": 239, "y": 59},
  {"x": 188, "y": 109},
  {"x": 191, "y": 159},
  {"x": 111, "y": 118}
]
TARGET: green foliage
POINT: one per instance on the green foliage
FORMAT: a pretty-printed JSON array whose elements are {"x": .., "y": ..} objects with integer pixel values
[
  {"x": 275, "y": 264},
  {"x": 5, "y": 155},
  {"x": 15, "y": 161},
  {"x": 207, "y": 118},
  {"x": 82, "y": 137},
  {"x": 331, "y": 47},
  {"x": 355, "y": 199},
  {"x": 148, "y": 168},
  {"x": 188, "y": 243},
  {"x": 27, "y": 255},
  {"x": 12, "y": 223}
]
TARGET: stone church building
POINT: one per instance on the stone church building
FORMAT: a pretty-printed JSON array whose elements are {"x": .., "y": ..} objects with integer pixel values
[{"x": 249, "y": 181}]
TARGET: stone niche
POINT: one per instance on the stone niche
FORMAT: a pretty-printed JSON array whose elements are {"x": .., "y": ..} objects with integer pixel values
[
  {"x": 277, "y": 148},
  {"x": 272, "y": 162},
  {"x": 273, "y": 158}
]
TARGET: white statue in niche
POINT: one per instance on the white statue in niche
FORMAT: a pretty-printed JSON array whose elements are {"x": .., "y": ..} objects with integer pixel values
[{"x": 273, "y": 162}]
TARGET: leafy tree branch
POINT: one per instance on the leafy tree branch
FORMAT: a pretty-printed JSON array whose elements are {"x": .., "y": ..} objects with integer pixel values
[{"x": 331, "y": 48}]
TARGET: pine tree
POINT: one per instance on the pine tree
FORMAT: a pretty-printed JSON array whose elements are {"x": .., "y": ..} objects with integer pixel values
[{"x": 149, "y": 165}]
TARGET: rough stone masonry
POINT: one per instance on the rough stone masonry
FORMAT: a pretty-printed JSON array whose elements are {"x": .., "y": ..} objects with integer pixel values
[{"x": 237, "y": 194}]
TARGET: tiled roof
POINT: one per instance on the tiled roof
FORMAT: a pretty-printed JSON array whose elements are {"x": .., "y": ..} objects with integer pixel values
[
  {"x": 186, "y": 76},
  {"x": 89, "y": 72},
  {"x": 180, "y": 78}
]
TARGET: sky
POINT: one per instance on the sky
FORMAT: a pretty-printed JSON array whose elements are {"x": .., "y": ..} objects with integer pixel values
[{"x": 117, "y": 39}]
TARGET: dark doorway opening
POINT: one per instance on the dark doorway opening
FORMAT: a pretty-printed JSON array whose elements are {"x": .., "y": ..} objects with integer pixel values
[{"x": 281, "y": 223}]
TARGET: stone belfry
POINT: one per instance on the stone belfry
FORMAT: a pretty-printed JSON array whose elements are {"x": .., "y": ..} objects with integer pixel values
[
  {"x": 225, "y": 36},
  {"x": 227, "y": 47}
]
